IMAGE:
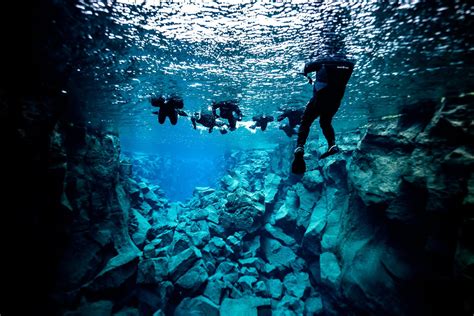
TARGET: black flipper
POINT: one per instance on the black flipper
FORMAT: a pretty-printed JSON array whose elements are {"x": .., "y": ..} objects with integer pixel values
[
  {"x": 299, "y": 165},
  {"x": 332, "y": 151}
]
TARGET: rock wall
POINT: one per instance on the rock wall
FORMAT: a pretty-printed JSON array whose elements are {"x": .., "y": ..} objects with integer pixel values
[
  {"x": 384, "y": 228},
  {"x": 381, "y": 229}
]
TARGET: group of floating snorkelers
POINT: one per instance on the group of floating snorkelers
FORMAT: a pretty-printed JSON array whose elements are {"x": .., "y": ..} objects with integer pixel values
[
  {"x": 172, "y": 106},
  {"x": 332, "y": 75}
]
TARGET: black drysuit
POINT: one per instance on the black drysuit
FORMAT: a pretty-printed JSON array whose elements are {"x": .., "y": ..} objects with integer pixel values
[{"x": 332, "y": 75}]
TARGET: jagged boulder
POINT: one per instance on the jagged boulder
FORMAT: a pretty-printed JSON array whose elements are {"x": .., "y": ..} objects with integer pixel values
[
  {"x": 140, "y": 230},
  {"x": 183, "y": 261},
  {"x": 272, "y": 185},
  {"x": 198, "y": 233},
  {"x": 243, "y": 211},
  {"x": 244, "y": 305},
  {"x": 313, "y": 180},
  {"x": 297, "y": 284},
  {"x": 276, "y": 254},
  {"x": 193, "y": 278},
  {"x": 274, "y": 288},
  {"x": 199, "y": 305},
  {"x": 152, "y": 271},
  {"x": 118, "y": 271}
]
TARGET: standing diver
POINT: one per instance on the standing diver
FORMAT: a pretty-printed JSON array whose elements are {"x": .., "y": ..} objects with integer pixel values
[
  {"x": 332, "y": 75},
  {"x": 169, "y": 107},
  {"x": 261, "y": 121},
  {"x": 226, "y": 111},
  {"x": 294, "y": 118}
]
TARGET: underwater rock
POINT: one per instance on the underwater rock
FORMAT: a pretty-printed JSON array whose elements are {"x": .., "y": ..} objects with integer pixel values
[
  {"x": 243, "y": 211},
  {"x": 193, "y": 278},
  {"x": 141, "y": 229},
  {"x": 288, "y": 305},
  {"x": 228, "y": 272},
  {"x": 254, "y": 262},
  {"x": 199, "y": 233},
  {"x": 313, "y": 306},
  {"x": 93, "y": 309},
  {"x": 312, "y": 180},
  {"x": 229, "y": 184},
  {"x": 286, "y": 215},
  {"x": 199, "y": 305},
  {"x": 277, "y": 255},
  {"x": 246, "y": 283},
  {"x": 152, "y": 271},
  {"x": 214, "y": 289},
  {"x": 201, "y": 192},
  {"x": 183, "y": 261},
  {"x": 297, "y": 284},
  {"x": 274, "y": 288},
  {"x": 271, "y": 187},
  {"x": 251, "y": 247},
  {"x": 118, "y": 271},
  {"x": 128, "y": 311},
  {"x": 278, "y": 234},
  {"x": 244, "y": 306},
  {"x": 153, "y": 297},
  {"x": 307, "y": 201},
  {"x": 330, "y": 268}
]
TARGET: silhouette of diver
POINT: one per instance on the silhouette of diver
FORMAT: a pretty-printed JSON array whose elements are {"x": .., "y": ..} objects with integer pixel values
[
  {"x": 332, "y": 74},
  {"x": 226, "y": 111},
  {"x": 294, "y": 117},
  {"x": 207, "y": 119},
  {"x": 169, "y": 107},
  {"x": 261, "y": 121}
]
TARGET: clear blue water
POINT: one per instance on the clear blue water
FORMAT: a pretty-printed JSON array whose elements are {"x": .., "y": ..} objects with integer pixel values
[{"x": 251, "y": 51}]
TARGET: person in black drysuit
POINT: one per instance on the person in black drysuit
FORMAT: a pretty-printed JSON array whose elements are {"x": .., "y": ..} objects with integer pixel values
[
  {"x": 207, "y": 119},
  {"x": 332, "y": 75},
  {"x": 169, "y": 107},
  {"x": 294, "y": 118},
  {"x": 226, "y": 111},
  {"x": 261, "y": 121}
]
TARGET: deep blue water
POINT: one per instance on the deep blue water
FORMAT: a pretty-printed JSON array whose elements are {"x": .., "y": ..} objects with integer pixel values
[{"x": 251, "y": 51}]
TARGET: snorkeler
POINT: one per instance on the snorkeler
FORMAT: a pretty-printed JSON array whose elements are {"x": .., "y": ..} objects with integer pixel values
[
  {"x": 226, "y": 111},
  {"x": 169, "y": 107},
  {"x": 332, "y": 75},
  {"x": 261, "y": 121},
  {"x": 294, "y": 117},
  {"x": 207, "y": 119}
]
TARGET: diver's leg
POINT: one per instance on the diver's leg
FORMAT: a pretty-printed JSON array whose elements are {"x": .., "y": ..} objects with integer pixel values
[
  {"x": 264, "y": 126},
  {"x": 232, "y": 123},
  {"x": 310, "y": 114},
  {"x": 161, "y": 116},
  {"x": 328, "y": 131},
  {"x": 173, "y": 117}
]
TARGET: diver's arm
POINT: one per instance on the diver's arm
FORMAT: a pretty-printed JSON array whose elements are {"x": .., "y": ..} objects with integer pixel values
[
  {"x": 182, "y": 113},
  {"x": 193, "y": 121}
]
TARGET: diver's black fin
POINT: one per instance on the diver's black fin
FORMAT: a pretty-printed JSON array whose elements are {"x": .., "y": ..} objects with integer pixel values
[
  {"x": 331, "y": 151},
  {"x": 299, "y": 165}
]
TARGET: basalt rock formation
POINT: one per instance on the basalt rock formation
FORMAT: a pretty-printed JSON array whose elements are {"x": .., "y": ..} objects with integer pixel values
[{"x": 383, "y": 228}]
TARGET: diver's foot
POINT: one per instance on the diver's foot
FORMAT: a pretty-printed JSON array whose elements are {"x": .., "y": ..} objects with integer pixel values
[
  {"x": 299, "y": 165},
  {"x": 331, "y": 151}
]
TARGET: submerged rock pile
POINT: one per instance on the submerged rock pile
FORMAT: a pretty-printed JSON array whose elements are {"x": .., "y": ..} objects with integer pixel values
[{"x": 378, "y": 229}]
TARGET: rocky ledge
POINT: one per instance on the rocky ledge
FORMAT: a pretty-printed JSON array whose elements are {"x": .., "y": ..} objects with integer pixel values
[{"x": 384, "y": 228}]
